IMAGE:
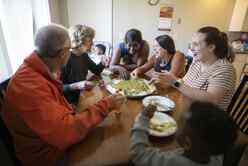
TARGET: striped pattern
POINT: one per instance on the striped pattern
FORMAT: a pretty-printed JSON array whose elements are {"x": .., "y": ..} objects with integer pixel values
[
  {"x": 220, "y": 74},
  {"x": 238, "y": 108}
]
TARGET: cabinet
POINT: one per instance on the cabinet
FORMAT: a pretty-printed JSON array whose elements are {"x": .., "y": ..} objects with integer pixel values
[
  {"x": 239, "y": 62},
  {"x": 239, "y": 18}
]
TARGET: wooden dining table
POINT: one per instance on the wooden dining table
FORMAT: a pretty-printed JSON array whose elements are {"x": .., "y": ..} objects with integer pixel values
[{"x": 108, "y": 143}]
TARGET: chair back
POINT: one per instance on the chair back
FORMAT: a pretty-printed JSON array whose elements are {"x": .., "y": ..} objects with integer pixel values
[
  {"x": 5, "y": 136},
  {"x": 238, "y": 107}
]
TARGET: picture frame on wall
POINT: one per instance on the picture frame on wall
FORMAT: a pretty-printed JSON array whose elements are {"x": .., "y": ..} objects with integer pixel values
[{"x": 165, "y": 17}]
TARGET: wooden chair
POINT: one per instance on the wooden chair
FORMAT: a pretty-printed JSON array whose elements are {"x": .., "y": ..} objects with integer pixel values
[
  {"x": 5, "y": 136},
  {"x": 238, "y": 110},
  {"x": 238, "y": 107}
]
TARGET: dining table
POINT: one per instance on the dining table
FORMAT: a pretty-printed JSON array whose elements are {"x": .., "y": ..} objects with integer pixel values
[{"x": 108, "y": 143}]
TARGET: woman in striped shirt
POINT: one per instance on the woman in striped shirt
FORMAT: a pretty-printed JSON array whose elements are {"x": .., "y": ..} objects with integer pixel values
[{"x": 211, "y": 76}]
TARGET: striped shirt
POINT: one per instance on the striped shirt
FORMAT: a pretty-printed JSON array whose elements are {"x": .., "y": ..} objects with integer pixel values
[{"x": 220, "y": 74}]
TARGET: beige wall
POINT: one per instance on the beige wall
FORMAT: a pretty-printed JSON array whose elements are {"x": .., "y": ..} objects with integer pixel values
[
  {"x": 95, "y": 13},
  {"x": 54, "y": 11},
  {"x": 138, "y": 14},
  {"x": 193, "y": 14}
]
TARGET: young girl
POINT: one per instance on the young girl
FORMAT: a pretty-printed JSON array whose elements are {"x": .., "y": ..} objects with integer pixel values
[{"x": 205, "y": 132}]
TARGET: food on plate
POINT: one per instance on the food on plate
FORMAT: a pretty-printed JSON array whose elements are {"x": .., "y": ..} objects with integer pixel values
[
  {"x": 161, "y": 127},
  {"x": 162, "y": 103},
  {"x": 134, "y": 87}
]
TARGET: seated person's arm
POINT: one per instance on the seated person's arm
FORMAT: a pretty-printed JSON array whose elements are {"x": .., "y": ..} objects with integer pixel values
[
  {"x": 177, "y": 64},
  {"x": 67, "y": 87},
  {"x": 144, "y": 55},
  {"x": 213, "y": 94},
  {"x": 59, "y": 125},
  {"x": 115, "y": 61},
  {"x": 64, "y": 78},
  {"x": 141, "y": 151},
  {"x": 116, "y": 67},
  {"x": 146, "y": 67},
  {"x": 116, "y": 58},
  {"x": 220, "y": 85}
]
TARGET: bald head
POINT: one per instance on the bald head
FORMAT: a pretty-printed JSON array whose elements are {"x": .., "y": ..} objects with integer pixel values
[{"x": 50, "y": 39}]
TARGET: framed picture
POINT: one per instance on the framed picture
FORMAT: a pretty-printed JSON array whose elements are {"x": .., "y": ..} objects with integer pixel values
[{"x": 165, "y": 17}]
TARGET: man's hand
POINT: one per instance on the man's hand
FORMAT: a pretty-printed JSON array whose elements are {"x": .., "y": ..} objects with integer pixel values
[
  {"x": 117, "y": 101},
  {"x": 149, "y": 111},
  {"x": 89, "y": 85}
]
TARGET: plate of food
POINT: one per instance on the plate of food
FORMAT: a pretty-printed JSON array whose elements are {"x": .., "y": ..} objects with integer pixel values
[
  {"x": 163, "y": 104},
  {"x": 162, "y": 125},
  {"x": 133, "y": 88}
]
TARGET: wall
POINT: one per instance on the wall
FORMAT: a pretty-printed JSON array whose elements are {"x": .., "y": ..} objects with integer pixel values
[
  {"x": 138, "y": 14},
  {"x": 59, "y": 12},
  {"x": 193, "y": 14},
  {"x": 94, "y": 13},
  {"x": 55, "y": 11}
]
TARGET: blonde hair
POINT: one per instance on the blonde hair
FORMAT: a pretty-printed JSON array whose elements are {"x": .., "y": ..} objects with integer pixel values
[{"x": 79, "y": 33}]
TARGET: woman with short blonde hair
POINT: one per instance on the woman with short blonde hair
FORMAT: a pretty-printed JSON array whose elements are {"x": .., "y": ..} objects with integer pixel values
[{"x": 76, "y": 70}]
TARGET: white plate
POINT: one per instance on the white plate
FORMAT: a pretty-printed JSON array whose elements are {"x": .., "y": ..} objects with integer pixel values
[
  {"x": 112, "y": 90},
  {"x": 162, "y": 118},
  {"x": 107, "y": 72},
  {"x": 163, "y": 104}
]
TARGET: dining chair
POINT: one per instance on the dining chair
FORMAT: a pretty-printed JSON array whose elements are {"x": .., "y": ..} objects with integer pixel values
[
  {"x": 238, "y": 107},
  {"x": 244, "y": 71},
  {"x": 238, "y": 111},
  {"x": 5, "y": 137}
]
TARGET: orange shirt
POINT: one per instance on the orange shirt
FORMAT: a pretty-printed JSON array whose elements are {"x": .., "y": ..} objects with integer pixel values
[{"x": 41, "y": 121}]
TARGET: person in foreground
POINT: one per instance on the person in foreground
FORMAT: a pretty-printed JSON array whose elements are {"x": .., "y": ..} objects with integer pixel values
[
  {"x": 41, "y": 121},
  {"x": 205, "y": 133},
  {"x": 211, "y": 77},
  {"x": 130, "y": 54},
  {"x": 164, "y": 57}
]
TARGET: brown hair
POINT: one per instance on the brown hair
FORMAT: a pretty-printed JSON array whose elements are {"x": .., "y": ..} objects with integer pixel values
[
  {"x": 133, "y": 35},
  {"x": 219, "y": 40},
  {"x": 167, "y": 43}
]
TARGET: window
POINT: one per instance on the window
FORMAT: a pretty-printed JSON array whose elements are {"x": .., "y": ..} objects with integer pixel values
[
  {"x": 5, "y": 69},
  {"x": 20, "y": 19}
]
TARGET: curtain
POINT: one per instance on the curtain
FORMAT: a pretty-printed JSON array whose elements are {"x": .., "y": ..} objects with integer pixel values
[{"x": 20, "y": 20}]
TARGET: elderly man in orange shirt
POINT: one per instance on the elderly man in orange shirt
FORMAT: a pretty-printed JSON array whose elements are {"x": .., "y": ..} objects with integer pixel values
[{"x": 41, "y": 121}]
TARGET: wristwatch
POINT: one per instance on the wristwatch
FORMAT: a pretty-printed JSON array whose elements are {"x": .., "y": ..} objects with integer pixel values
[{"x": 177, "y": 83}]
